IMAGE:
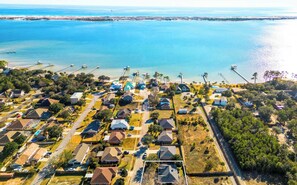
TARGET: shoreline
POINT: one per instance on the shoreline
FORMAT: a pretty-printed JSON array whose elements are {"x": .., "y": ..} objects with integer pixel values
[{"x": 144, "y": 18}]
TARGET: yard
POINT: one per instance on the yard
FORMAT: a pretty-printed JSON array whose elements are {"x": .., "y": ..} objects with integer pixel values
[
  {"x": 130, "y": 143},
  {"x": 199, "y": 150},
  {"x": 14, "y": 181},
  {"x": 75, "y": 140},
  {"x": 132, "y": 106},
  {"x": 98, "y": 104},
  {"x": 135, "y": 120},
  {"x": 127, "y": 162},
  {"x": 209, "y": 181},
  {"x": 164, "y": 113},
  {"x": 66, "y": 180}
]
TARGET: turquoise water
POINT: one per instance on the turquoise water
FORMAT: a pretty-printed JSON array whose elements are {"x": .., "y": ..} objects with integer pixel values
[{"x": 190, "y": 47}]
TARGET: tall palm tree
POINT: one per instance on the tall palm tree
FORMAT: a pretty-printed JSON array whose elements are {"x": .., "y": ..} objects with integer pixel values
[
  {"x": 125, "y": 70},
  {"x": 166, "y": 79},
  {"x": 205, "y": 76},
  {"x": 234, "y": 68},
  {"x": 181, "y": 77},
  {"x": 156, "y": 75}
]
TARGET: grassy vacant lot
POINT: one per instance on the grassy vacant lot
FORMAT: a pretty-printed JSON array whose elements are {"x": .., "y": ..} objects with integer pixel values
[
  {"x": 98, "y": 104},
  {"x": 199, "y": 150},
  {"x": 130, "y": 143},
  {"x": 208, "y": 181},
  {"x": 135, "y": 120},
  {"x": 131, "y": 106},
  {"x": 95, "y": 138},
  {"x": 75, "y": 140},
  {"x": 86, "y": 121},
  {"x": 127, "y": 162},
  {"x": 164, "y": 113},
  {"x": 14, "y": 181},
  {"x": 66, "y": 180}
]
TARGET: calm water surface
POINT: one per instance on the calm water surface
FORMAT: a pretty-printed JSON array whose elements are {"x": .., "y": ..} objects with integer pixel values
[{"x": 190, "y": 47}]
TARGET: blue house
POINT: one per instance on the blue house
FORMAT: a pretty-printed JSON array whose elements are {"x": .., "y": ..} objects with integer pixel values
[
  {"x": 129, "y": 86},
  {"x": 91, "y": 130},
  {"x": 141, "y": 85},
  {"x": 116, "y": 85}
]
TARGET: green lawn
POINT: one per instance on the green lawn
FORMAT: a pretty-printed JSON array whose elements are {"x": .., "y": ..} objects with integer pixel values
[
  {"x": 164, "y": 113},
  {"x": 127, "y": 162},
  {"x": 66, "y": 180},
  {"x": 135, "y": 120},
  {"x": 130, "y": 143}
]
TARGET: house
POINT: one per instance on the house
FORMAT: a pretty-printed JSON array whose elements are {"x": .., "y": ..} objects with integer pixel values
[
  {"x": 115, "y": 86},
  {"x": 20, "y": 124},
  {"x": 167, "y": 174},
  {"x": 80, "y": 154},
  {"x": 9, "y": 137},
  {"x": 119, "y": 124},
  {"x": 103, "y": 175},
  {"x": 39, "y": 155},
  {"x": 16, "y": 93},
  {"x": 183, "y": 88},
  {"x": 182, "y": 111},
  {"x": 91, "y": 130},
  {"x": 167, "y": 152},
  {"x": 141, "y": 85},
  {"x": 153, "y": 83},
  {"x": 279, "y": 105},
  {"x": 39, "y": 113},
  {"x": 111, "y": 155},
  {"x": 123, "y": 113},
  {"x": 46, "y": 102},
  {"x": 126, "y": 99},
  {"x": 221, "y": 101},
  {"x": 220, "y": 90},
  {"x": 164, "y": 87},
  {"x": 116, "y": 137},
  {"x": 129, "y": 86},
  {"x": 26, "y": 156},
  {"x": 165, "y": 137},
  {"x": 76, "y": 97},
  {"x": 164, "y": 104},
  {"x": 107, "y": 100},
  {"x": 167, "y": 124}
]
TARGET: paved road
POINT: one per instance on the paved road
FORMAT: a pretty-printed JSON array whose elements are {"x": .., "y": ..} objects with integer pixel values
[
  {"x": 47, "y": 169},
  {"x": 231, "y": 164},
  {"x": 138, "y": 166},
  {"x": 20, "y": 106}
]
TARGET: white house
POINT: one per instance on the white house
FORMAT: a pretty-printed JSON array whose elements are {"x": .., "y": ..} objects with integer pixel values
[
  {"x": 119, "y": 124},
  {"x": 221, "y": 102},
  {"x": 76, "y": 97}
]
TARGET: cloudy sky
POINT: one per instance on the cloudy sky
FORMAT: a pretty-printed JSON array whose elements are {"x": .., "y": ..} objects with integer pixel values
[{"x": 162, "y": 3}]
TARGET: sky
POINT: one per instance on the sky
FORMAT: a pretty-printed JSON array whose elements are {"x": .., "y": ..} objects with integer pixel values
[{"x": 161, "y": 3}]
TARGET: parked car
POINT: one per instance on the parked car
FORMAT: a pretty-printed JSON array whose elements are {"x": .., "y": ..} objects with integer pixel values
[
  {"x": 138, "y": 144},
  {"x": 131, "y": 128},
  {"x": 129, "y": 135},
  {"x": 126, "y": 152},
  {"x": 144, "y": 156}
]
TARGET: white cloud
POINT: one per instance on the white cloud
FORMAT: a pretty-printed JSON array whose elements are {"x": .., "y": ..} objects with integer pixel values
[{"x": 162, "y": 3}]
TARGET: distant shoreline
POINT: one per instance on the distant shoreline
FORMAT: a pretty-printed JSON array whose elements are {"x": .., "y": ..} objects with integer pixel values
[{"x": 146, "y": 18}]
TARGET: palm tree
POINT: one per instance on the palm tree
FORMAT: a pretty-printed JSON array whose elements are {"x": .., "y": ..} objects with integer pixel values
[
  {"x": 205, "y": 76},
  {"x": 181, "y": 77},
  {"x": 125, "y": 70},
  {"x": 166, "y": 79},
  {"x": 255, "y": 77},
  {"x": 233, "y": 68},
  {"x": 156, "y": 75}
]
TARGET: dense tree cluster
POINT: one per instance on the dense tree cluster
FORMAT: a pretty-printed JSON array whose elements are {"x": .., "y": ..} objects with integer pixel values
[{"x": 254, "y": 148}]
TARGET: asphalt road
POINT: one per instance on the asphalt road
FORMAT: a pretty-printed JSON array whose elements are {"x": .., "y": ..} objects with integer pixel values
[
  {"x": 47, "y": 169},
  {"x": 231, "y": 164}
]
